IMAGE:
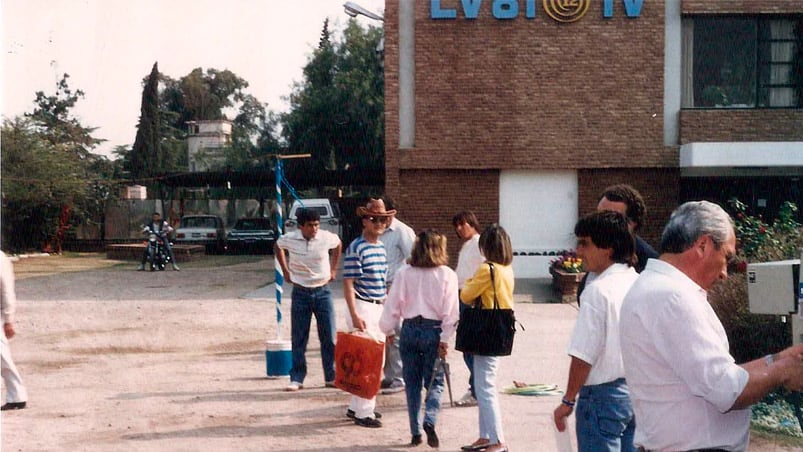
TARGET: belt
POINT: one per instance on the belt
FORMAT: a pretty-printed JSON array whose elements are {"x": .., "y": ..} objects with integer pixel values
[
  {"x": 422, "y": 321},
  {"x": 308, "y": 289},
  {"x": 368, "y": 300}
]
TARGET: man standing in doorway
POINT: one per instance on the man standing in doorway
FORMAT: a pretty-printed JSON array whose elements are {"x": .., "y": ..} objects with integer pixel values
[
  {"x": 364, "y": 288},
  {"x": 398, "y": 239},
  {"x": 313, "y": 255}
]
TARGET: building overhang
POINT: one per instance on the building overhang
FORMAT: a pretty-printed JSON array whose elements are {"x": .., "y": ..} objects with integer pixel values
[{"x": 741, "y": 159}]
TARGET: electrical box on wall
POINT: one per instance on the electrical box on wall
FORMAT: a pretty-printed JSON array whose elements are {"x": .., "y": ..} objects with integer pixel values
[{"x": 773, "y": 287}]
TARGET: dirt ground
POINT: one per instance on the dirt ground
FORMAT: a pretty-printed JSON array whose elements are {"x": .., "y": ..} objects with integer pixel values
[{"x": 120, "y": 360}]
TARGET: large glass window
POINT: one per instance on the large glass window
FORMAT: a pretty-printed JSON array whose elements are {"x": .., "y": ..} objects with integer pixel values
[{"x": 742, "y": 62}]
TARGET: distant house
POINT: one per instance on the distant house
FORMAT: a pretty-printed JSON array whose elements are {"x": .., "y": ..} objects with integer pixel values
[{"x": 206, "y": 141}]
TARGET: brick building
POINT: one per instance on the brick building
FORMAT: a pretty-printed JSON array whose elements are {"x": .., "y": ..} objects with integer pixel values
[{"x": 523, "y": 111}]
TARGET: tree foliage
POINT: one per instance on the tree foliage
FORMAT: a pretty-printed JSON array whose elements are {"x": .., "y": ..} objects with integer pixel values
[
  {"x": 147, "y": 156},
  {"x": 337, "y": 110},
  {"x": 51, "y": 181},
  {"x": 198, "y": 96}
]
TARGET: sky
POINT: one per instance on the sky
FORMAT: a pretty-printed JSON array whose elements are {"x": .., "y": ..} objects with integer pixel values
[{"x": 108, "y": 46}]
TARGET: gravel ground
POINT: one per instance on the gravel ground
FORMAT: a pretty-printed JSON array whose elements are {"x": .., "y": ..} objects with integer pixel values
[{"x": 120, "y": 360}]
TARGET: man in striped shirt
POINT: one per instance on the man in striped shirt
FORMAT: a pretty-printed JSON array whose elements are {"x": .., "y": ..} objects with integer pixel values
[{"x": 364, "y": 287}]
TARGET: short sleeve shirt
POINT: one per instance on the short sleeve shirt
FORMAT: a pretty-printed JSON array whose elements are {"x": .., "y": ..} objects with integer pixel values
[
  {"x": 367, "y": 264},
  {"x": 309, "y": 262}
]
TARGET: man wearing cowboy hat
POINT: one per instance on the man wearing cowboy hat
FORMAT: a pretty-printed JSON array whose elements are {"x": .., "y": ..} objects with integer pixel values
[{"x": 364, "y": 287}]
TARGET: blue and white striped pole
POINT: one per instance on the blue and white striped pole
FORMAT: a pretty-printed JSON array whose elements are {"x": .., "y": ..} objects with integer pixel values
[{"x": 278, "y": 269}]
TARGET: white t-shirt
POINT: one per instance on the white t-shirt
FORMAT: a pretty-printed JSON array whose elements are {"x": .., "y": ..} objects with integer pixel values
[
  {"x": 681, "y": 375},
  {"x": 309, "y": 262},
  {"x": 595, "y": 338},
  {"x": 469, "y": 260}
]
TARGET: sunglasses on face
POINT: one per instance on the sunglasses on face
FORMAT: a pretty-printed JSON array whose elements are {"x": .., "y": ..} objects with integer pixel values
[{"x": 376, "y": 220}]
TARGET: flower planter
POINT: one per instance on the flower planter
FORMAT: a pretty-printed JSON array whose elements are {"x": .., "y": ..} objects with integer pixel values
[{"x": 565, "y": 284}]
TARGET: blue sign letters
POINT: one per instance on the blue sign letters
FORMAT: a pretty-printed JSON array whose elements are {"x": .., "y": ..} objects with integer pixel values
[{"x": 509, "y": 9}]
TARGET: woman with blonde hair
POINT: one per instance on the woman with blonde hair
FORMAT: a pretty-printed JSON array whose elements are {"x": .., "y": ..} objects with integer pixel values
[
  {"x": 424, "y": 295},
  {"x": 493, "y": 280}
]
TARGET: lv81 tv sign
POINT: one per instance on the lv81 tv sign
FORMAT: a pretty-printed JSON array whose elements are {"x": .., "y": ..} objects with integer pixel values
[{"x": 559, "y": 10}]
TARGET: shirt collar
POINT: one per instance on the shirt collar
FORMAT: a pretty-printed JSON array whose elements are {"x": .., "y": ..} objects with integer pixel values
[{"x": 670, "y": 271}]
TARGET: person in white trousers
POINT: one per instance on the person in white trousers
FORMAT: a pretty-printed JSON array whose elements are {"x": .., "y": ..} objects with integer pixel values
[{"x": 16, "y": 394}]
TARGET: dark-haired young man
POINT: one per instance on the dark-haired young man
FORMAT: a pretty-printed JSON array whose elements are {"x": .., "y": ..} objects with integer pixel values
[
  {"x": 596, "y": 373},
  {"x": 310, "y": 264},
  {"x": 626, "y": 200}
]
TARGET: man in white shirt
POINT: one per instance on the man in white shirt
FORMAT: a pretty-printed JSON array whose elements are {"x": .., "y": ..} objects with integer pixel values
[
  {"x": 688, "y": 393},
  {"x": 467, "y": 228},
  {"x": 398, "y": 239},
  {"x": 596, "y": 374},
  {"x": 310, "y": 263},
  {"x": 16, "y": 394}
]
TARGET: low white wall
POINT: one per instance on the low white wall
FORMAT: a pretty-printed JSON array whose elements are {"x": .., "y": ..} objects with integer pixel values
[{"x": 532, "y": 266}]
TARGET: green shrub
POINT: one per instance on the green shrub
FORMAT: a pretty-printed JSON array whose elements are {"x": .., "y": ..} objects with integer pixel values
[{"x": 751, "y": 335}]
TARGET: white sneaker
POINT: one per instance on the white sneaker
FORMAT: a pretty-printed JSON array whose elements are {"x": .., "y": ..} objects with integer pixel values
[
  {"x": 467, "y": 400},
  {"x": 294, "y": 386}
]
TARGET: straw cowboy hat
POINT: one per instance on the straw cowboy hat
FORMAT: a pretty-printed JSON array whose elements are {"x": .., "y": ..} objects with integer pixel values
[{"x": 374, "y": 208}]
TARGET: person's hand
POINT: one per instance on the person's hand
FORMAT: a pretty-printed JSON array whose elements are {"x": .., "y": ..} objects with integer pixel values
[
  {"x": 791, "y": 368},
  {"x": 443, "y": 347},
  {"x": 795, "y": 350},
  {"x": 560, "y": 414},
  {"x": 8, "y": 329},
  {"x": 390, "y": 339},
  {"x": 358, "y": 322},
  {"x": 333, "y": 276}
]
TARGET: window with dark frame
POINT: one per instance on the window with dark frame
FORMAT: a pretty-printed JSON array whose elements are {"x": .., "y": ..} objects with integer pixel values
[{"x": 742, "y": 62}]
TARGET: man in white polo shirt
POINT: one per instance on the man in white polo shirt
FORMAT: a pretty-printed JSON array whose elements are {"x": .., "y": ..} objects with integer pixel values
[{"x": 310, "y": 263}]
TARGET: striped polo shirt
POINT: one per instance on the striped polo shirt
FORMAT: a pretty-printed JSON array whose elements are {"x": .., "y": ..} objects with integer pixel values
[{"x": 367, "y": 264}]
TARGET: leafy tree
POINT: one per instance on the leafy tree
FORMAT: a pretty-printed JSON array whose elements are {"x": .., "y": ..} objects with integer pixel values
[
  {"x": 337, "y": 110},
  {"x": 51, "y": 180}
]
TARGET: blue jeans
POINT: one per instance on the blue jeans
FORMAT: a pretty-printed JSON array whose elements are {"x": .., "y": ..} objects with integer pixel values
[
  {"x": 418, "y": 346},
  {"x": 605, "y": 419},
  {"x": 305, "y": 303},
  {"x": 485, "y": 368},
  {"x": 468, "y": 358}
]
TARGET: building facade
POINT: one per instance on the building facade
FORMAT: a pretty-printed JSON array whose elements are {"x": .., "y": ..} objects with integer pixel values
[
  {"x": 206, "y": 142},
  {"x": 523, "y": 111}
]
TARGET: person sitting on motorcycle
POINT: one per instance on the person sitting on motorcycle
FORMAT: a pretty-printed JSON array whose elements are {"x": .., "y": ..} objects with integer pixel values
[{"x": 158, "y": 225}]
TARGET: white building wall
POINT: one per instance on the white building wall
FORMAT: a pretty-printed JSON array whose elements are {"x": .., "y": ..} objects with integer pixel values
[{"x": 539, "y": 211}]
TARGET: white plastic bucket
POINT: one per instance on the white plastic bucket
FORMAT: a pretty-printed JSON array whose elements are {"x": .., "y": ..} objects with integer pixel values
[{"x": 279, "y": 358}]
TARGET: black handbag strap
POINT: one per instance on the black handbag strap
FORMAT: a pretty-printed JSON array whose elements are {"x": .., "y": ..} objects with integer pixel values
[{"x": 478, "y": 300}]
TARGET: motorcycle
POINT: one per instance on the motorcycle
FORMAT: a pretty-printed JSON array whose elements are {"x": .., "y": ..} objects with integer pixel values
[{"x": 158, "y": 257}]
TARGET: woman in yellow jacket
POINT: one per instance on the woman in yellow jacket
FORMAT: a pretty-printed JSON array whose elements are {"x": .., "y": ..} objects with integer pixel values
[{"x": 496, "y": 248}]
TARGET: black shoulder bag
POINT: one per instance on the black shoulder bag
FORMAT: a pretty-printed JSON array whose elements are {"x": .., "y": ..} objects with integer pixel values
[{"x": 487, "y": 332}]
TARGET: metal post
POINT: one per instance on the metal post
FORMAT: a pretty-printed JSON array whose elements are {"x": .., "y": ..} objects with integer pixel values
[{"x": 279, "y": 276}]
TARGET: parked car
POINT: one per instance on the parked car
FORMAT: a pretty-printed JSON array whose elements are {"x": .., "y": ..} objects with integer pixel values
[
  {"x": 329, "y": 211},
  {"x": 207, "y": 230},
  {"x": 252, "y": 235}
]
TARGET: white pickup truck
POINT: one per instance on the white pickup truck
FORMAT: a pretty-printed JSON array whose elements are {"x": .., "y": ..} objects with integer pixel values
[{"x": 329, "y": 211}]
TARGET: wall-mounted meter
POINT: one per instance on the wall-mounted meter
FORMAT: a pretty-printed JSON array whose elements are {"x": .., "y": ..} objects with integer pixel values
[{"x": 773, "y": 287}]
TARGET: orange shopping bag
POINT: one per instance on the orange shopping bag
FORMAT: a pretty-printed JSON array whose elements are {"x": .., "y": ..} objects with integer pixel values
[{"x": 358, "y": 363}]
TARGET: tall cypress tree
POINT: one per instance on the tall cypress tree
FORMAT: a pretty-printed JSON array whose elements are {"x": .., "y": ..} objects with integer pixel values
[{"x": 146, "y": 156}]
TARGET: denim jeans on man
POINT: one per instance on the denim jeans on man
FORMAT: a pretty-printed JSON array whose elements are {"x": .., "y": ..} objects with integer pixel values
[
  {"x": 485, "y": 368},
  {"x": 305, "y": 303},
  {"x": 418, "y": 346},
  {"x": 605, "y": 419},
  {"x": 468, "y": 358}
]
